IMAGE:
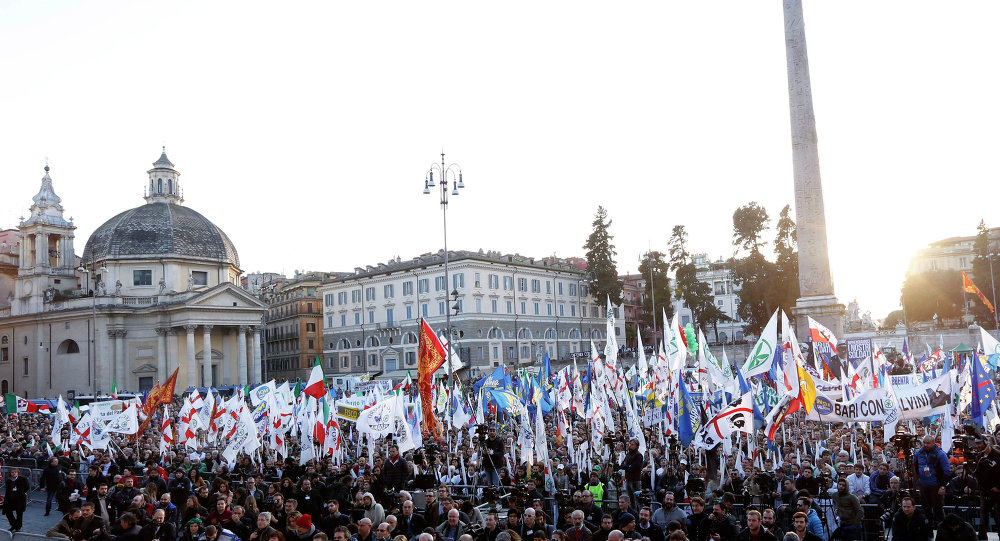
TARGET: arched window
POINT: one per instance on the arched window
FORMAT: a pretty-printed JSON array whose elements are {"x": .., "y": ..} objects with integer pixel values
[
  {"x": 344, "y": 344},
  {"x": 596, "y": 334},
  {"x": 170, "y": 185},
  {"x": 550, "y": 334},
  {"x": 524, "y": 334},
  {"x": 372, "y": 342},
  {"x": 574, "y": 334},
  {"x": 409, "y": 338},
  {"x": 159, "y": 185},
  {"x": 68, "y": 346},
  {"x": 496, "y": 333}
]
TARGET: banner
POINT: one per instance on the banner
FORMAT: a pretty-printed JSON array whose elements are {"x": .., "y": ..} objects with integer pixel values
[
  {"x": 877, "y": 405},
  {"x": 858, "y": 349},
  {"x": 379, "y": 419}
]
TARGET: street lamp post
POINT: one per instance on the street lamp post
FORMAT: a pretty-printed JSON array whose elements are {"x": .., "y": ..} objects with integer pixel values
[
  {"x": 652, "y": 293},
  {"x": 996, "y": 317},
  {"x": 455, "y": 173}
]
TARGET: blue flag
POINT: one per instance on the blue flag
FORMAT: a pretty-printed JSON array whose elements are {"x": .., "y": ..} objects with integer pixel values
[
  {"x": 983, "y": 391},
  {"x": 687, "y": 415},
  {"x": 544, "y": 385},
  {"x": 498, "y": 379}
]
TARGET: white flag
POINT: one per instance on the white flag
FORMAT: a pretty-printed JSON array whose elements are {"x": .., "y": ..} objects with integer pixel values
[
  {"x": 126, "y": 422},
  {"x": 379, "y": 419},
  {"x": 736, "y": 417},
  {"x": 762, "y": 355}
]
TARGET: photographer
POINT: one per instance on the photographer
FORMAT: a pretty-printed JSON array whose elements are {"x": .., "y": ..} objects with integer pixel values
[
  {"x": 878, "y": 483},
  {"x": 493, "y": 460},
  {"x": 988, "y": 476},
  {"x": 910, "y": 523},
  {"x": 962, "y": 485}
]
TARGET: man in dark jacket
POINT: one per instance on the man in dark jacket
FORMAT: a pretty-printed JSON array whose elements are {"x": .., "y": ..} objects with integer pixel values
[
  {"x": 409, "y": 523},
  {"x": 51, "y": 480},
  {"x": 493, "y": 460},
  {"x": 15, "y": 499},
  {"x": 721, "y": 526},
  {"x": 953, "y": 528},
  {"x": 988, "y": 476},
  {"x": 160, "y": 529},
  {"x": 910, "y": 523},
  {"x": 395, "y": 472},
  {"x": 754, "y": 530},
  {"x": 646, "y": 528},
  {"x": 130, "y": 530},
  {"x": 90, "y": 525},
  {"x": 633, "y": 464},
  {"x": 66, "y": 526},
  {"x": 122, "y": 497}
]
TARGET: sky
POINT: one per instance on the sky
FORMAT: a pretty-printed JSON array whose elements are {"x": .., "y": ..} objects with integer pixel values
[{"x": 304, "y": 129}]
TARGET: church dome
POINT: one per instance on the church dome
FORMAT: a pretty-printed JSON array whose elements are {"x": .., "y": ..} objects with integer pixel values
[{"x": 157, "y": 230}]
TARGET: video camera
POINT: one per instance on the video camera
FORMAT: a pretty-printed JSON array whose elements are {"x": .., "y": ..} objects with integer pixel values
[
  {"x": 645, "y": 497},
  {"x": 766, "y": 483},
  {"x": 520, "y": 497},
  {"x": 695, "y": 486},
  {"x": 965, "y": 446}
]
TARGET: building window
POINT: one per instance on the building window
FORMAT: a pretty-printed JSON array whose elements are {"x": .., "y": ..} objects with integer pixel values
[
  {"x": 344, "y": 361},
  {"x": 410, "y": 358},
  {"x": 439, "y": 283},
  {"x": 548, "y": 287},
  {"x": 572, "y": 290},
  {"x": 342, "y": 297},
  {"x": 388, "y": 316},
  {"x": 458, "y": 281},
  {"x": 685, "y": 320},
  {"x": 508, "y": 283},
  {"x": 311, "y": 344},
  {"x": 478, "y": 283},
  {"x": 310, "y": 327},
  {"x": 373, "y": 359},
  {"x": 356, "y": 295},
  {"x": 493, "y": 305},
  {"x": 409, "y": 312},
  {"x": 369, "y": 293},
  {"x": 510, "y": 307},
  {"x": 479, "y": 306},
  {"x": 371, "y": 316},
  {"x": 199, "y": 278},
  {"x": 388, "y": 291},
  {"x": 536, "y": 286},
  {"x": 407, "y": 288},
  {"x": 718, "y": 302},
  {"x": 494, "y": 281},
  {"x": 358, "y": 361},
  {"x": 522, "y": 284},
  {"x": 618, "y": 331},
  {"x": 560, "y": 287},
  {"x": 460, "y": 305},
  {"x": 572, "y": 310},
  {"x": 423, "y": 309},
  {"x": 357, "y": 318},
  {"x": 24, "y": 363},
  {"x": 4, "y": 355},
  {"x": 524, "y": 309},
  {"x": 548, "y": 308},
  {"x": 525, "y": 352},
  {"x": 441, "y": 308},
  {"x": 536, "y": 309},
  {"x": 142, "y": 277},
  {"x": 343, "y": 320},
  {"x": 424, "y": 284},
  {"x": 562, "y": 310}
]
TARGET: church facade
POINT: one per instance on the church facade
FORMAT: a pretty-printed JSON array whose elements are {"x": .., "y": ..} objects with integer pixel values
[{"x": 157, "y": 289}]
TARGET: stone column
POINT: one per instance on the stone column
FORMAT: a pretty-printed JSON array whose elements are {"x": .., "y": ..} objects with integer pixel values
[
  {"x": 121, "y": 362},
  {"x": 42, "y": 249},
  {"x": 171, "y": 350},
  {"x": 256, "y": 355},
  {"x": 206, "y": 357},
  {"x": 161, "y": 354},
  {"x": 815, "y": 280},
  {"x": 191, "y": 367},
  {"x": 241, "y": 354},
  {"x": 227, "y": 356}
]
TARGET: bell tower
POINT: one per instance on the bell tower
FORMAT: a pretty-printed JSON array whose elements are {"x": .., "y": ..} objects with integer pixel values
[
  {"x": 46, "y": 262},
  {"x": 164, "y": 185}
]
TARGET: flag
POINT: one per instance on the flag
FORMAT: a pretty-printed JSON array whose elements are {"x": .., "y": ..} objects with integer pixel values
[
  {"x": 688, "y": 418},
  {"x": 736, "y": 417},
  {"x": 16, "y": 404},
  {"x": 983, "y": 391},
  {"x": 166, "y": 432},
  {"x": 807, "y": 388},
  {"x": 315, "y": 386},
  {"x": 990, "y": 344},
  {"x": 126, "y": 422},
  {"x": 114, "y": 388},
  {"x": 824, "y": 345},
  {"x": 430, "y": 357},
  {"x": 970, "y": 287},
  {"x": 762, "y": 355}
]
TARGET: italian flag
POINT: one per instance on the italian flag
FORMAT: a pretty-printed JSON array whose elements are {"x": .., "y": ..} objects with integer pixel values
[
  {"x": 16, "y": 404},
  {"x": 315, "y": 386}
]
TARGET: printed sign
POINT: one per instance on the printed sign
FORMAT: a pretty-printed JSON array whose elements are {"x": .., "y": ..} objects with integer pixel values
[{"x": 858, "y": 349}]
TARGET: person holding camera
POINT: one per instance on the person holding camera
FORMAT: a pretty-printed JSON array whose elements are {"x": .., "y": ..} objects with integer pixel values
[
  {"x": 988, "y": 477},
  {"x": 932, "y": 472},
  {"x": 910, "y": 523},
  {"x": 493, "y": 459}
]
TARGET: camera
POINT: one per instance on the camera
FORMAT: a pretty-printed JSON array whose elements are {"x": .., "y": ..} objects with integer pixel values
[
  {"x": 564, "y": 499},
  {"x": 695, "y": 486},
  {"x": 766, "y": 483},
  {"x": 645, "y": 497},
  {"x": 965, "y": 446},
  {"x": 490, "y": 493},
  {"x": 520, "y": 497}
]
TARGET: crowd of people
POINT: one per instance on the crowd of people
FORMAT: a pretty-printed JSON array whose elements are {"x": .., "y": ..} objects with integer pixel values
[{"x": 816, "y": 482}]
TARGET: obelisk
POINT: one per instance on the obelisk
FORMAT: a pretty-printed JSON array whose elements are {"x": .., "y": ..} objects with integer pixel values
[{"x": 815, "y": 281}]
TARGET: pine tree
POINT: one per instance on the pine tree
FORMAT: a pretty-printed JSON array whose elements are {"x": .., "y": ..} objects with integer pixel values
[
  {"x": 981, "y": 276},
  {"x": 786, "y": 278},
  {"x": 661, "y": 281},
  {"x": 753, "y": 274},
  {"x": 601, "y": 261}
]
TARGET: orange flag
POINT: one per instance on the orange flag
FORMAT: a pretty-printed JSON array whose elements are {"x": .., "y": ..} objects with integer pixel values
[
  {"x": 970, "y": 287},
  {"x": 430, "y": 357}
]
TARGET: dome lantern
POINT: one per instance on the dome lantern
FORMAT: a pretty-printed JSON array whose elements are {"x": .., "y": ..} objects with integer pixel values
[{"x": 164, "y": 185}]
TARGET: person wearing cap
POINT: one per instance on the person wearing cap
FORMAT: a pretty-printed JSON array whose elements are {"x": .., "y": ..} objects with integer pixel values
[
  {"x": 595, "y": 486},
  {"x": 627, "y": 527},
  {"x": 304, "y": 529},
  {"x": 561, "y": 478}
]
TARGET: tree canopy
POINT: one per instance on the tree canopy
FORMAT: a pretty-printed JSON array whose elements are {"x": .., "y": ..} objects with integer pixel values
[{"x": 601, "y": 261}]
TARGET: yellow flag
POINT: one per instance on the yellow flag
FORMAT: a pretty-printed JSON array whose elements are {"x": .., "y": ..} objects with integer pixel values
[{"x": 807, "y": 389}]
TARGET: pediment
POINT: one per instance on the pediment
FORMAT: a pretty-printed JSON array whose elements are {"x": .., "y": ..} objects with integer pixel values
[
  {"x": 225, "y": 296},
  {"x": 145, "y": 369}
]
